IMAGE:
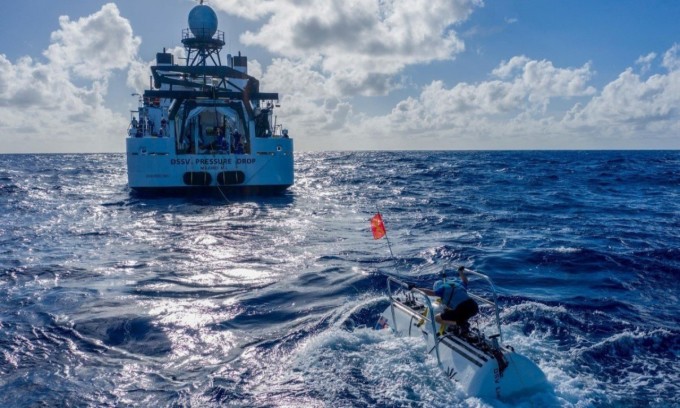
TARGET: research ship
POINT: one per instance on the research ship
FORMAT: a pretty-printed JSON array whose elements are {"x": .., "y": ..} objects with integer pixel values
[{"x": 204, "y": 126}]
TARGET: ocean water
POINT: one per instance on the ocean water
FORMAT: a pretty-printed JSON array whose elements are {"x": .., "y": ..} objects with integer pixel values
[{"x": 111, "y": 300}]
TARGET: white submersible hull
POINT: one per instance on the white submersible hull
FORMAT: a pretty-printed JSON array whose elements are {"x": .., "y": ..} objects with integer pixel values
[{"x": 480, "y": 364}]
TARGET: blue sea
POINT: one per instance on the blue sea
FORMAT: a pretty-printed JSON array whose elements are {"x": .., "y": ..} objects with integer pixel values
[{"x": 107, "y": 299}]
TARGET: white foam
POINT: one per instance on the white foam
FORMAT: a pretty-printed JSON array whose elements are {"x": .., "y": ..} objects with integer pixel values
[
  {"x": 578, "y": 380},
  {"x": 338, "y": 367},
  {"x": 568, "y": 390},
  {"x": 533, "y": 307},
  {"x": 561, "y": 250},
  {"x": 365, "y": 366},
  {"x": 375, "y": 367}
]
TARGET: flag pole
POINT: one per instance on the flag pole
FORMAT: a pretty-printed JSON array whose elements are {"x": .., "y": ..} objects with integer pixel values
[{"x": 389, "y": 245}]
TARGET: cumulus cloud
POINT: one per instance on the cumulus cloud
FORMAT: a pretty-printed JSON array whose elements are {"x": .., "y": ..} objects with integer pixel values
[
  {"x": 645, "y": 61},
  {"x": 360, "y": 46},
  {"x": 307, "y": 97},
  {"x": 139, "y": 71},
  {"x": 524, "y": 104},
  {"x": 540, "y": 81},
  {"x": 632, "y": 105},
  {"x": 299, "y": 79},
  {"x": 250, "y": 10},
  {"x": 522, "y": 86},
  {"x": 328, "y": 53},
  {"x": 515, "y": 109},
  {"x": 58, "y": 105},
  {"x": 671, "y": 59},
  {"x": 92, "y": 46}
]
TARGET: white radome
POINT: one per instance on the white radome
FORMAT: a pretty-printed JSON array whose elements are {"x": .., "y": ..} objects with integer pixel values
[{"x": 202, "y": 22}]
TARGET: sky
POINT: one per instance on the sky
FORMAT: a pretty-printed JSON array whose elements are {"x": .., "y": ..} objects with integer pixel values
[{"x": 361, "y": 74}]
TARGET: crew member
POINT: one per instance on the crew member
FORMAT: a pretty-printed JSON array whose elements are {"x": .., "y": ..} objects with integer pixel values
[
  {"x": 459, "y": 307},
  {"x": 163, "y": 129}
]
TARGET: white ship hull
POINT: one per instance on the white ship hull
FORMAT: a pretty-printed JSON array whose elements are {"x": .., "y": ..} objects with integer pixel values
[{"x": 154, "y": 167}]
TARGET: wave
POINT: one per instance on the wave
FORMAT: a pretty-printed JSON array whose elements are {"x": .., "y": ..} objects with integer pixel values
[{"x": 113, "y": 300}]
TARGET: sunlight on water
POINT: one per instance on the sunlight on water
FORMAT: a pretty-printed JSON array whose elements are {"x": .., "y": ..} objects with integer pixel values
[{"x": 113, "y": 300}]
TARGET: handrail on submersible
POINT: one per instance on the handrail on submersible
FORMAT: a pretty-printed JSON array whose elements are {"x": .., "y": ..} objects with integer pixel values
[
  {"x": 430, "y": 309},
  {"x": 493, "y": 303}
]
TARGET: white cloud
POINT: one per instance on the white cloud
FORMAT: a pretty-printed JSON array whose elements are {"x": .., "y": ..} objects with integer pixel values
[
  {"x": 92, "y": 46},
  {"x": 523, "y": 86},
  {"x": 58, "y": 106},
  {"x": 646, "y": 61},
  {"x": 671, "y": 59},
  {"x": 360, "y": 45},
  {"x": 43, "y": 111},
  {"x": 631, "y": 106},
  {"x": 336, "y": 50},
  {"x": 138, "y": 74},
  {"x": 139, "y": 71},
  {"x": 298, "y": 79},
  {"x": 251, "y": 10},
  {"x": 515, "y": 110},
  {"x": 332, "y": 52},
  {"x": 527, "y": 103},
  {"x": 307, "y": 97}
]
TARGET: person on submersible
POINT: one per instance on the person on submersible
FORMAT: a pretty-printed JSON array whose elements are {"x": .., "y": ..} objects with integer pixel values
[{"x": 459, "y": 307}]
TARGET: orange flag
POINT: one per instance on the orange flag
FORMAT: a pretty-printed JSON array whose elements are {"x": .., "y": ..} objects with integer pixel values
[{"x": 377, "y": 226}]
